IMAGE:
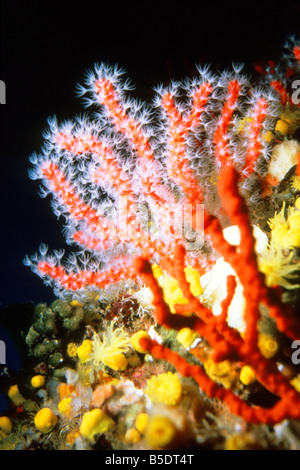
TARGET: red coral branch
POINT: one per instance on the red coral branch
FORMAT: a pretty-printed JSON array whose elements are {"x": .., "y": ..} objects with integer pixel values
[
  {"x": 179, "y": 126},
  {"x": 217, "y": 333},
  {"x": 254, "y": 149},
  {"x": 286, "y": 407},
  {"x": 75, "y": 281},
  {"x": 221, "y": 134}
]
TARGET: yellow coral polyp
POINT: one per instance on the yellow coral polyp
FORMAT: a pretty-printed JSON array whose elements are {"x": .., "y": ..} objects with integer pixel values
[
  {"x": 267, "y": 345},
  {"x": 173, "y": 294},
  {"x": 64, "y": 406},
  {"x": 274, "y": 261},
  {"x": 72, "y": 350},
  {"x": 295, "y": 182},
  {"x": 243, "y": 123},
  {"x": 141, "y": 422},
  {"x": 294, "y": 227},
  {"x": 76, "y": 303},
  {"x": 296, "y": 383},
  {"x": 15, "y": 395},
  {"x": 5, "y": 424},
  {"x": 268, "y": 136},
  {"x": 297, "y": 203},
  {"x": 95, "y": 422},
  {"x": 85, "y": 351},
  {"x": 164, "y": 388},
  {"x": 45, "y": 420},
  {"x": 240, "y": 442},
  {"x": 157, "y": 271},
  {"x": 286, "y": 230},
  {"x": 186, "y": 337},
  {"x": 135, "y": 341},
  {"x": 38, "y": 381},
  {"x": 116, "y": 361},
  {"x": 222, "y": 372},
  {"x": 193, "y": 277},
  {"x": 247, "y": 375},
  {"x": 110, "y": 350},
  {"x": 282, "y": 126},
  {"x": 132, "y": 436},
  {"x": 160, "y": 432}
]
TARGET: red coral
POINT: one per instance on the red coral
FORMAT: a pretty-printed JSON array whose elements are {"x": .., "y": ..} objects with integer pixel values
[
  {"x": 227, "y": 342},
  {"x": 128, "y": 183}
]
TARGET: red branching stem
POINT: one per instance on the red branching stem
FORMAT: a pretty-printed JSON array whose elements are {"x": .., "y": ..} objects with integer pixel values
[
  {"x": 91, "y": 242},
  {"x": 150, "y": 173},
  {"x": 110, "y": 170},
  {"x": 298, "y": 165},
  {"x": 75, "y": 281},
  {"x": 176, "y": 321},
  {"x": 76, "y": 207},
  {"x": 296, "y": 52},
  {"x": 258, "y": 116},
  {"x": 220, "y": 138},
  {"x": 179, "y": 127},
  {"x": 280, "y": 89},
  {"x": 282, "y": 409},
  {"x": 252, "y": 280},
  {"x": 232, "y": 336},
  {"x": 104, "y": 232},
  {"x": 175, "y": 267},
  {"x": 225, "y": 341}
]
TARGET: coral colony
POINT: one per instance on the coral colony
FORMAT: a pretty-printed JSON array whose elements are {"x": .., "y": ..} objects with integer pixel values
[{"x": 176, "y": 323}]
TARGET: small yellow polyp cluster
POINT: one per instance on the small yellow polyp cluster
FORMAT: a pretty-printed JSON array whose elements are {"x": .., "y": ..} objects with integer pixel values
[
  {"x": 296, "y": 382},
  {"x": 286, "y": 230},
  {"x": 5, "y": 427},
  {"x": 186, "y": 337},
  {"x": 15, "y": 395},
  {"x": 135, "y": 341},
  {"x": 141, "y": 422},
  {"x": 267, "y": 345},
  {"x": 247, "y": 375},
  {"x": 132, "y": 436},
  {"x": 222, "y": 372},
  {"x": 240, "y": 442},
  {"x": 95, "y": 422},
  {"x": 107, "y": 351},
  {"x": 276, "y": 260},
  {"x": 65, "y": 406},
  {"x": 160, "y": 432},
  {"x": 116, "y": 362},
  {"x": 85, "y": 351},
  {"x": 45, "y": 420},
  {"x": 164, "y": 388},
  {"x": 38, "y": 381},
  {"x": 172, "y": 293}
]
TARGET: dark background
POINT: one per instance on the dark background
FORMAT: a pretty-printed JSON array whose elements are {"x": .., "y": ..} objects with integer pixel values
[{"x": 46, "y": 47}]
